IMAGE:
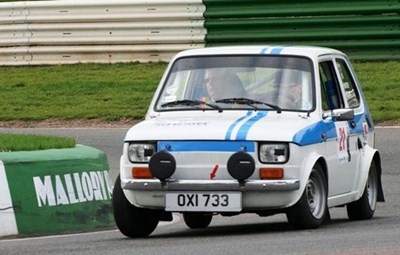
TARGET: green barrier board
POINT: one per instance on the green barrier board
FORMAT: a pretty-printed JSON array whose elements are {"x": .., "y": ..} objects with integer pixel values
[{"x": 57, "y": 190}]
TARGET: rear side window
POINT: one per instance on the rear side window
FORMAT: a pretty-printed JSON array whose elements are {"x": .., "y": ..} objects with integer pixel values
[{"x": 349, "y": 86}]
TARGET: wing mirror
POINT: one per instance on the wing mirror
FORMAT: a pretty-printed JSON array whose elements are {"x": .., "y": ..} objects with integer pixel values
[{"x": 340, "y": 114}]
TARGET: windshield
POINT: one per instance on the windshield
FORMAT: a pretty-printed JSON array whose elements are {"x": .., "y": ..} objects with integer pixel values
[{"x": 238, "y": 82}]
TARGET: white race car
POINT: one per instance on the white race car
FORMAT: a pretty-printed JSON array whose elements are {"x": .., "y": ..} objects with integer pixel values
[{"x": 252, "y": 129}]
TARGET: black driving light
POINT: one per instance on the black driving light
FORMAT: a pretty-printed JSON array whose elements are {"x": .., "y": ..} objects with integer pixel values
[
  {"x": 241, "y": 165},
  {"x": 162, "y": 165}
]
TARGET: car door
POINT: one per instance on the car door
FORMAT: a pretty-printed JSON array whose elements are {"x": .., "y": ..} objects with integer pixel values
[
  {"x": 340, "y": 158},
  {"x": 357, "y": 127}
]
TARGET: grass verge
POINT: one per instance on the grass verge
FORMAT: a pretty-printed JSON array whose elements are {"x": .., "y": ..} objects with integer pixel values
[
  {"x": 111, "y": 92},
  {"x": 381, "y": 85},
  {"x": 21, "y": 142},
  {"x": 81, "y": 91}
]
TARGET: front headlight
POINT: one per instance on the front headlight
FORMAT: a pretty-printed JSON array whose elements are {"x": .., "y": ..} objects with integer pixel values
[
  {"x": 140, "y": 152},
  {"x": 274, "y": 153}
]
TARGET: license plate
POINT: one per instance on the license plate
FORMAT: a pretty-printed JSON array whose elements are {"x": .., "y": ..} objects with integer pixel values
[{"x": 203, "y": 201}]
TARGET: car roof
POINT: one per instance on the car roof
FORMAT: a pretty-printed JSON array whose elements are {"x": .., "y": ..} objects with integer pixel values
[{"x": 306, "y": 51}]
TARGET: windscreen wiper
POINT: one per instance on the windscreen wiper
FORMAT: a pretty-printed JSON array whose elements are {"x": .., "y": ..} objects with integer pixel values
[
  {"x": 249, "y": 102},
  {"x": 189, "y": 102}
]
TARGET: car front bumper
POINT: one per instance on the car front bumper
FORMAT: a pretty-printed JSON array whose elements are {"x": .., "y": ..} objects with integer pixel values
[{"x": 209, "y": 185}]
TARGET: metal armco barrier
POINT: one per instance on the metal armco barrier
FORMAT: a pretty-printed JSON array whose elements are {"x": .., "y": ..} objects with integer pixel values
[
  {"x": 107, "y": 31},
  {"x": 364, "y": 29},
  {"x": 53, "y": 191},
  {"x": 57, "y": 32}
]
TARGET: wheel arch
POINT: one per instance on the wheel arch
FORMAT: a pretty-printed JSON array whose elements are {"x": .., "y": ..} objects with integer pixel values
[
  {"x": 306, "y": 214},
  {"x": 377, "y": 159},
  {"x": 371, "y": 155},
  {"x": 308, "y": 165},
  {"x": 316, "y": 159},
  {"x": 324, "y": 166}
]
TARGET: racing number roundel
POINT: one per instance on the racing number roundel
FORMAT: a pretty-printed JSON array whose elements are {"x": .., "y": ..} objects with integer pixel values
[{"x": 342, "y": 131}]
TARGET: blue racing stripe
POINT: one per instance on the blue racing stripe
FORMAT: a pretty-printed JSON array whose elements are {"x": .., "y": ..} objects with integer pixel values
[
  {"x": 263, "y": 51},
  {"x": 244, "y": 129},
  {"x": 359, "y": 128},
  {"x": 231, "y": 127},
  {"x": 276, "y": 51},
  {"x": 223, "y": 146},
  {"x": 313, "y": 134}
]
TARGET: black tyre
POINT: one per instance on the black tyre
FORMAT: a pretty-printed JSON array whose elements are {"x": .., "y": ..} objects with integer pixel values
[
  {"x": 364, "y": 208},
  {"x": 131, "y": 220},
  {"x": 197, "y": 220},
  {"x": 311, "y": 210}
]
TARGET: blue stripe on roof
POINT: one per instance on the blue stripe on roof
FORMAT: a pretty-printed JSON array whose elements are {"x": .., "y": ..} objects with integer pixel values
[
  {"x": 263, "y": 50},
  {"x": 276, "y": 51}
]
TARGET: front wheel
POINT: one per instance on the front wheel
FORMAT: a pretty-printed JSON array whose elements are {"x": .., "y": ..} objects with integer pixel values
[
  {"x": 197, "y": 220},
  {"x": 364, "y": 208},
  {"x": 311, "y": 210},
  {"x": 131, "y": 220}
]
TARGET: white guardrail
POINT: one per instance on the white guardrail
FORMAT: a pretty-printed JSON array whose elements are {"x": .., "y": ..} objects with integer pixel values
[{"x": 101, "y": 31}]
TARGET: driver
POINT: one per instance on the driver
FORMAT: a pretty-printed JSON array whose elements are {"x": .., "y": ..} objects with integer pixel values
[{"x": 223, "y": 83}]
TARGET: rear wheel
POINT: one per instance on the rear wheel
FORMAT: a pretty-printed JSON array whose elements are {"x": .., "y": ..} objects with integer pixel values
[
  {"x": 364, "y": 208},
  {"x": 131, "y": 220},
  {"x": 197, "y": 220},
  {"x": 311, "y": 210}
]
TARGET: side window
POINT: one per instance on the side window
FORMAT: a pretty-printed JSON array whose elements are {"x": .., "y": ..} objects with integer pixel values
[
  {"x": 349, "y": 86},
  {"x": 324, "y": 96},
  {"x": 331, "y": 95}
]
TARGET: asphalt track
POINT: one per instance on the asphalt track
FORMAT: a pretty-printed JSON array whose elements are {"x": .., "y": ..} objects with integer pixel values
[{"x": 244, "y": 234}]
